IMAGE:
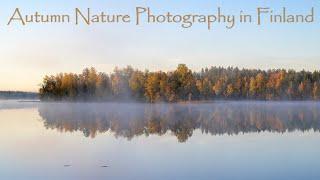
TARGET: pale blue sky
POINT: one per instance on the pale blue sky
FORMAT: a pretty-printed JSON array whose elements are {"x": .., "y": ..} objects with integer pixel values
[{"x": 28, "y": 53}]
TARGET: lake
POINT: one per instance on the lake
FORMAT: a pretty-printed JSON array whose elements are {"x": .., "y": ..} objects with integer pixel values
[{"x": 218, "y": 140}]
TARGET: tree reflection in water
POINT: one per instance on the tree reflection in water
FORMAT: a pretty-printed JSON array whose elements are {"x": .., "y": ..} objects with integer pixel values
[{"x": 130, "y": 119}]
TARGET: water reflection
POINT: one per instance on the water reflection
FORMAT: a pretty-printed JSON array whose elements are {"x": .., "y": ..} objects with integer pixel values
[{"x": 130, "y": 120}]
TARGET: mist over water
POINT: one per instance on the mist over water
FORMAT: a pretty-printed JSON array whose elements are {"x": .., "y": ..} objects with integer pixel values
[{"x": 181, "y": 120}]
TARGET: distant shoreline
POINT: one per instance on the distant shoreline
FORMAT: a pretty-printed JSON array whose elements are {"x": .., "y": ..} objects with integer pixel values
[{"x": 7, "y": 95}]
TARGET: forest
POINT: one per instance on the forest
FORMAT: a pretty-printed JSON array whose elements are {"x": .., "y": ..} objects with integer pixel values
[{"x": 181, "y": 85}]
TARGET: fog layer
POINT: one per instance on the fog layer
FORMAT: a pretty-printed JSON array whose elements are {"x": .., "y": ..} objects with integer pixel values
[{"x": 134, "y": 119}]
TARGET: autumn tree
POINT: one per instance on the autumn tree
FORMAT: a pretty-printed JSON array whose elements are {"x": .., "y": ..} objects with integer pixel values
[
  {"x": 152, "y": 87},
  {"x": 184, "y": 83},
  {"x": 219, "y": 87},
  {"x": 103, "y": 86},
  {"x": 316, "y": 91},
  {"x": 204, "y": 87},
  {"x": 137, "y": 83}
]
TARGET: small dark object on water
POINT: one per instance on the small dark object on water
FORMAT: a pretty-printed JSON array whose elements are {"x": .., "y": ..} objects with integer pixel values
[
  {"x": 67, "y": 165},
  {"x": 104, "y": 166}
]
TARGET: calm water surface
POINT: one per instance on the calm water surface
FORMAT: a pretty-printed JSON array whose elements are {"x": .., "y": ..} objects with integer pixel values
[{"x": 221, "y": 140}]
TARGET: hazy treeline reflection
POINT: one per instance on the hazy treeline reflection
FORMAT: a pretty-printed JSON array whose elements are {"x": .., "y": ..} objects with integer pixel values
[{"x": 134, "y": 119}]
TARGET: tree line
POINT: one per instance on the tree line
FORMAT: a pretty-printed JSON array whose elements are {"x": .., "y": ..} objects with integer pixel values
[
  {"x": 182, "y": 84},
  {"x": 18, "y": 95}
]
